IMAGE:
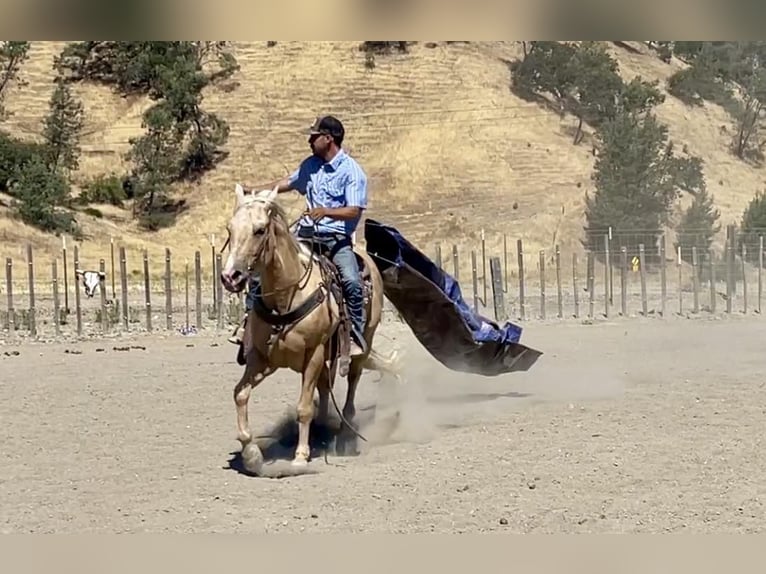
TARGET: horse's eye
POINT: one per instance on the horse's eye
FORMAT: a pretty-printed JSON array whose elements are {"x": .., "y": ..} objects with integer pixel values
[{"x": 259, "y": 231}]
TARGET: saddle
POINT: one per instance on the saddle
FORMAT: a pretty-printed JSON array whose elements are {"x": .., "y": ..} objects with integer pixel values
[
  {"x": 339, "y": 354},
  {"x": 341, "y": 339}
]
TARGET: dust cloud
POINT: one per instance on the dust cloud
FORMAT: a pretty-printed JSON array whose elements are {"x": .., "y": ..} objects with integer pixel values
[{"x": 431, "y": 398}]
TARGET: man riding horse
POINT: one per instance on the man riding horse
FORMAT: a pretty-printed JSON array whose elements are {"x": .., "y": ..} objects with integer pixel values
[{"x": 335, "y": 187}]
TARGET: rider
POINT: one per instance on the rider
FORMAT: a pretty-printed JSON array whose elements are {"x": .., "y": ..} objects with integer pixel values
[{"x": 335, "y": 187}]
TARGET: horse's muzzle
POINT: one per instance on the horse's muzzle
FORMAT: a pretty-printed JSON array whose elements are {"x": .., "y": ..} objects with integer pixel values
[{"x": 233, "y": 281}]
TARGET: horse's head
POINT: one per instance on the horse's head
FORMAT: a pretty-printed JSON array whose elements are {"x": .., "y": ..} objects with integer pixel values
[{"x": 251, "y": 236}]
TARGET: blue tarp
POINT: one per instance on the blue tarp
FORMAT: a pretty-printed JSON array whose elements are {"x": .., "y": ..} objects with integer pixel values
[{"x": 431, "y": 302}]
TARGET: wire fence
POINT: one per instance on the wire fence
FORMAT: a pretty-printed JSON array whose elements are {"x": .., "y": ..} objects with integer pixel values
[{"x": 609, "y": 275}]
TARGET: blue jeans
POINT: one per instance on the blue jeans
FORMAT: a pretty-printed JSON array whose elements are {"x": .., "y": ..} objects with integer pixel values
[{"x": 351, "y": 281}]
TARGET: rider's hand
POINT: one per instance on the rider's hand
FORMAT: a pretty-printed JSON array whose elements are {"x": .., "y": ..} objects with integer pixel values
[{"x": 317, "y": 213}]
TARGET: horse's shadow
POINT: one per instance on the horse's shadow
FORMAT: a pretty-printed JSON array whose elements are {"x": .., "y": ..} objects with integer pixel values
[{"x": 278, "y": 442}]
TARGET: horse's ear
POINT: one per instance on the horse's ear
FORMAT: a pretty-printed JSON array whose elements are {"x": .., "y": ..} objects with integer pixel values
[
  {"x": 271, "y": 195},
  {"x": 240, "y": 193}
]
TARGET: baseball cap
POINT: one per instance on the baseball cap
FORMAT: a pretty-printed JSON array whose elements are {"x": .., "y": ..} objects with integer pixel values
[{"x": 329, "y": 125}]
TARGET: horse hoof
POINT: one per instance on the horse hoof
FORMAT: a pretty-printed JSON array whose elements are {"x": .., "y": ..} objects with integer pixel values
[
  {"x": 252, "y": 458},
  {"x": 300, "y": 463},
  {"x": 346, "y": 445}
]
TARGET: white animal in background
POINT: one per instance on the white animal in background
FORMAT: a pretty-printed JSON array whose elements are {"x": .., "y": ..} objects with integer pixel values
[{"x": 90, "y": 280}]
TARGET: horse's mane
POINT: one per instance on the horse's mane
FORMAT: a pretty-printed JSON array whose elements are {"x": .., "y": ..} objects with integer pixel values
[{"x": 277, "y": 213}]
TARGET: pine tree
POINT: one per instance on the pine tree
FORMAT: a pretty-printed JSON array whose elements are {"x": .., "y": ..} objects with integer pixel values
[
  {"x": 12, "y": 56},
  {"x": 61, "y": 129},
  {"x": 753, "y": 225},
  {"x": 637, "y": 178},
  {"x": 698, "y": 227}
]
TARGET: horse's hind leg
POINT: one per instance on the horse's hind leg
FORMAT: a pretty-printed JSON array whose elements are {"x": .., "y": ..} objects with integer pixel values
[
  {"x": 311, "y": 373},
  {"x": 345, "y": 444}
]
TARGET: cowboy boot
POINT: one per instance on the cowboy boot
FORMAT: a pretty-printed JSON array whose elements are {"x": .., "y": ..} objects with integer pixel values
[{"x": 239, "y": 333}]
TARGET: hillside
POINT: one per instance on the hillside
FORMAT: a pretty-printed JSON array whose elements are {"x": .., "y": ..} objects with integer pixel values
[{"x": 448, "y": 148}]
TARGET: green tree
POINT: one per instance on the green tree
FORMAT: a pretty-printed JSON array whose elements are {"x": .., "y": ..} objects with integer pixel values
[
  {"x": 596, "y": 85},
  {"x": 708, "y": 75},
  {"x": 61, "y": 129},
  {"x": 39, "y": 196},
  {"x": 753, "y": 225},
  {"x": 14, "y": 154},
  {"x": 637, "y": 178},
  {"x": 546, "y": 68},
  {"x": 155, "y": 164},
  {"x": 698, "y": 227},
  {"x": 748, "y": 71},
  {"x": 639, "y": 97},
  {"x": 12, "y": 56},
  {"x": 182, "y": 140},
  {"x": 583, "y": 79}
]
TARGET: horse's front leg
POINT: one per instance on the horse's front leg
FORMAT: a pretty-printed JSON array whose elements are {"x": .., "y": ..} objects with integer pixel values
[
  {"x": 312, "y": 370},
  {"x": 255, "y": 372}
]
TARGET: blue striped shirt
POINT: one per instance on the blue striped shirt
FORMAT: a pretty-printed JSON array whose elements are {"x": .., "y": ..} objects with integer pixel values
[{"x": 340, "y": 182}]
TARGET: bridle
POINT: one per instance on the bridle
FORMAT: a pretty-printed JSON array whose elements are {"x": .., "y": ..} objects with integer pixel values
[{"x": 265, "y": 243}]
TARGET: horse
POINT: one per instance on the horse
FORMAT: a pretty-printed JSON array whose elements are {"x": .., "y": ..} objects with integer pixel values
[{"x": 298, "y": 322}]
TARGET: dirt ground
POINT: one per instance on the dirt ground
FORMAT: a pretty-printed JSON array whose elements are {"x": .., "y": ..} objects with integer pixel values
[{"x": 638, "y": 425}]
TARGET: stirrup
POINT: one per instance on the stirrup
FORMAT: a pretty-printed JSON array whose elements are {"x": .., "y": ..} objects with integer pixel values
[{"x": 238, "y": 335}]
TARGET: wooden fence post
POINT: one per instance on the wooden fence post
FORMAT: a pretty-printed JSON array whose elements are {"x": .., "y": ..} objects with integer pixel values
[
  {"x": 760, "y": 271},
  {"x": 186, "y": 292},
  {"x": 213, "y": 261},
  {"x": 711, "y": 258},
  {"x": 66, "y": 281},
  {"x": 575, "y": 289},
  {"x": 729, "y": 277},
  {"x": 505, "y": 262},
  {"x": 679, "y": 262},
  {"x": 111, "y": 258},
  {"x": 147, "y": 292},
  {"x": 455, "y": 262},
  {"x": 642, "y": 273},
  {"x": 168, "y": 292},
  {"x": 124, "y": 287},
  {"x": 474, "y": 281},
  {"x": 522, "y": 302},
  {"x": 663, "y": 277},
  {"x": 744, "y": 278},
  {"x": 219, "y": 292},
  {"x": 77, "y": 302},
  {"x": 559, "y": 293},
  {"x": 497, "y": 289},
  {"x": 102, "y": 290},
  {"x": 542, "y": 284},
  {"x": 9, "y": 291},
  {"x": 695, "y": 279},
  {"x": 56, "y": 307},
  {"x": 198, "y": 287},
  {"x": 31, "y": 276},
  {"x": 607, "y": 266},
  {"x": 591, "y": 280},
  {"x": 624, "y": 281},
  {"x": 483, "y": 268}
]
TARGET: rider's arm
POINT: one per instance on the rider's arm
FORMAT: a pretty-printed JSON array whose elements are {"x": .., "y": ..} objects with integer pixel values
[
  {"x": 343, "y": 213},
  {"x": 296, "y": 181},
  {"x": 283, "y": 185}
]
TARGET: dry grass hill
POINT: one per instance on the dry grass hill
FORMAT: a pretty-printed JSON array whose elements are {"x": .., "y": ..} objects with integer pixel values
[{"x": 448, "y": 148}]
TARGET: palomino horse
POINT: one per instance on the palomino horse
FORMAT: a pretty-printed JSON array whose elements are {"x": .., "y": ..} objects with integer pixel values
[{"x": 295, "y": 319}]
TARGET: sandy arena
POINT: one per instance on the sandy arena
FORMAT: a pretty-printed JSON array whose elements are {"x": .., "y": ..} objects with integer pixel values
[{"x": 623, "y": 426}]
